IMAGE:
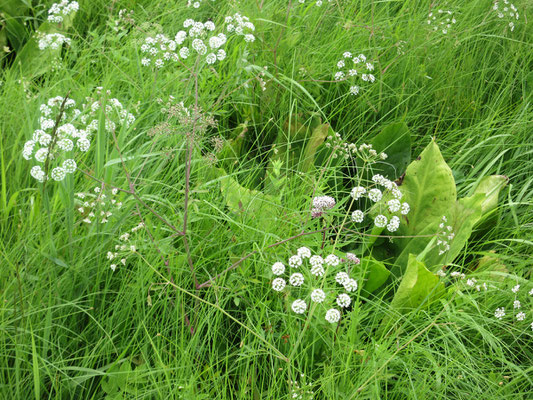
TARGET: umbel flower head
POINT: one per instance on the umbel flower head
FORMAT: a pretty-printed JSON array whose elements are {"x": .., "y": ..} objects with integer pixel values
[
  {"x": 58, "y": 11},
  {"x": 353, "y": 67},
  {"x": 317, "y": 282},
  {"x": 55, "y": 148}
]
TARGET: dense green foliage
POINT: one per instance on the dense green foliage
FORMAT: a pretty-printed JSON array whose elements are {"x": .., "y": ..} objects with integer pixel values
[{"x": 190, "y": 313}]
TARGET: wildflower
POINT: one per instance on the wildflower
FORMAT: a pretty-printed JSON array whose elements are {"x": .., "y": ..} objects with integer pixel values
[
  {"x": 358, "y": 216},
  {"x": 304, "y": 252},
  {"x": 354, "y": 90},
  {"x": 52, "y": 41},
  {"x": 332, "y": 260},
  {"x": 380, "y": 221},
  {"x": 357, "y": 192},
  {"x": 393, "y": 224},
  {"x": 520, "y": 316},
  {"x": 350, "y": 285},
  {"x": 318, "y": 296},
  {"x": 516, "y": 304},
  {"x": 341, "y": 278},
  {"x": 296, "y": 279},
  {"x": 321, "y": 204},
  {"x": 316, "y": 260},
  {"x": 113, "y": 267},
  {"x": 352, "y": 258},
  {"x": 499, "y": 313},
  {"x": 295, "y": 261},
  {"x": 333, "y": 315},
  {"x": 394, "y": 205},
  {"x": 317, "y": 270},
  {"x": 515, "y": 289},
  {"x": 58, "y": 11},
  {"x": 405, "y": 209},
  {"x": 278, "y": 268},
  {"x": 299, "y": 306},
  {"x": 343, "y": 300},
  {"x": 375, "y": 195},
  {"x": 530, "y": 292},
  {"x": 278, "y": 284}
]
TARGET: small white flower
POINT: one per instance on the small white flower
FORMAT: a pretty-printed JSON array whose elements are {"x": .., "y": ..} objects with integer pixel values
[
  {"x": 58, "y": 174},
  {"x": 515, "y": 289},
  {"x": 304, "y": 252},
  {"x": 278, "y": 268},
  {"x": 278, "y": 284},
  {"x": 520, "y": 316},
  {"x": 332, "y": 260},
  {"x": 405, "y": 209},
  {"x": 357, "y": 192},
  {"x": 380, "y": 221},
  {"x": 69, "y": 166},
  {"x": 316, "y": 260},
  {"x": 295, "y": 261},
  {"x": 394, "y": 205},
  {"x": 350, "y": 285},
  {"x": 375, "y": 195},
  {"x": 354, "y": 90},
  {"x": 341, "y": 278},
  {"x": 113, "y": 267},
  {"x": 341, "y": 64},
  {"x": 296, "y": 279},
  {"x": 516, "y": 304},
  {"x": 333, "y": 315},
  {"x": 499, "y": 313},
  {"x": 358, "y": 216},
  {"x": 38, "y": 173},
  {"x": 318, "y": 296},
  {"x": 343, "y": 300},
  {"x": 317, "y": 270},
  {"x": 299, "y": 306},
  {"x": 393, "y": 224}
]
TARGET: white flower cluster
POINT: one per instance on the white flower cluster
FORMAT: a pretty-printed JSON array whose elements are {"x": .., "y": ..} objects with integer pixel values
[
  {"x": 195, "y": 3},
  {"x": 347, "y": 150},
  {"x": 115, "y": 115},
  {"x": 302, "y": 392},
  {"x": 60, "y": 10},
  {"x": 321, "y": 204},
  {"x": 313, "y": 274},
  {"x": 97, "y": 205},
  {"x": 198, "y": 36},
  {"x": 508, "y": 11},
  {"x": 469, "y": 283},
  {"x": 125, "y": 249},
  {"x": 444, "y": 236},
  {"x": 517, "y": 308},
  {"x": 350, "y": 67},
  {"x": 51, "y": 40},
  {"x": 441, "y": 20},
  {"x": 55, "y": 152},
  {"x": 240, "y": 25},
  {"x": 54, "y": 147},
  {"x": 393, "y": 207}
]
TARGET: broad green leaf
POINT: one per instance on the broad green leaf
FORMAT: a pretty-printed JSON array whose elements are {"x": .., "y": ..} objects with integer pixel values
[
  {"x": 16, "y": 32},
  {"x": 490, "y": 186},
  {"x": 419, "y": 286},
  {"x": 376, "y": 274},
  {"x": 319, "y": 134},
  {"x": 14, "y": 7},
  {"x": 429, "y": 188},
  {"x": 395, "y": 141},
  {"x": 33, "y": 62},
  {"x": 462, "y": 219},
  {"x": 252, "y": 203}
]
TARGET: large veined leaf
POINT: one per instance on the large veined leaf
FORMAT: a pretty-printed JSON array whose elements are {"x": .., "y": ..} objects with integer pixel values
[
  {"x": 429, "y": 188},
  {"x": 319, "y": 134},
  {"x": 251, "y": 204},
  {"x": 395, "y": 141},
  {"x": 376, "y": 274},
  {"x": 419, "y": 286}
]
